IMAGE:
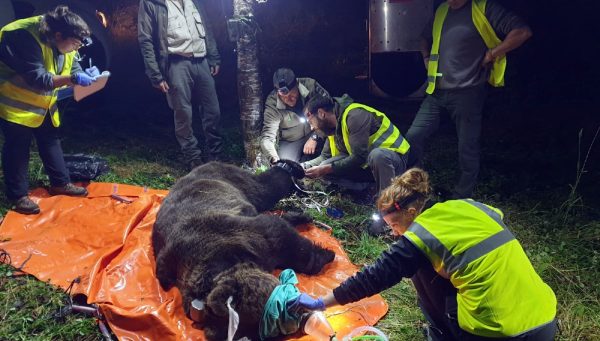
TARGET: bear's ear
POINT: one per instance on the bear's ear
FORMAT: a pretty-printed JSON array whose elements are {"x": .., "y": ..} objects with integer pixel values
[
  {"x": 292, "y": 167},
  {"x": 222, "y": 290}
]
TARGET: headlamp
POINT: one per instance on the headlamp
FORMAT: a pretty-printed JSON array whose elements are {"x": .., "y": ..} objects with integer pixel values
[
  {"x": 283, "y": 90},
  {"x": 397, "y": 206},
  {"x": 86, "y": 41}
]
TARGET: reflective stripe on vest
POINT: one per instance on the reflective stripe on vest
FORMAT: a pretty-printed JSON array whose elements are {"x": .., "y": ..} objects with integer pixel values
[
  {"x": 387, "y": 136},
  {"x": 20, "y": 102},
  {"x": 499, "y": 294},
  {"x": 487, "y": 34},
  {"x": 453, "y": 263}
]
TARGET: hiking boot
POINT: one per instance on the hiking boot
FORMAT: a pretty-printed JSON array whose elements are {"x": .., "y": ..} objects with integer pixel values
[
  {"x": 25, "y": 205},
  {"x": 69, "y": 189}
]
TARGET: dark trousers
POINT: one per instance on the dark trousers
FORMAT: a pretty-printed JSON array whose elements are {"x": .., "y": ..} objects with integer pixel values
[
  {"x": 384, "y": 165},
  {"x": 433, "y": 290},
  {"x": 437, "y": 300},
  {"x": 465, "y": 108},
  {"x": 190, "y": 82},
  {"x": 15, "y": 156},
  {"x": 294, "y": 150}
]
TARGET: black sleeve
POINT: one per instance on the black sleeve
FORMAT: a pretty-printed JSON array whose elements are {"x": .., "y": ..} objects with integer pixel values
[
  {"x": 402, "y": 260},
  {"x": 22, "y": 53},
  {"x": 502, "y": 20},
  {"x": 146, "y": 25},
  {"x": 212, "y": 52}
]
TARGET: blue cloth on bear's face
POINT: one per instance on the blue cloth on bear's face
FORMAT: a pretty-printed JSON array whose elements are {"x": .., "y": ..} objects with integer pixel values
[{"x": 277, "y": 320}]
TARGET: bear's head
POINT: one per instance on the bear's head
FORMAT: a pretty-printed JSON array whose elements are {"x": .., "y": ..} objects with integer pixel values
[
  {"x": 250, "y": 288},
  {"x": 312, "y": 260},
  {"x": 294, "y": 169}
]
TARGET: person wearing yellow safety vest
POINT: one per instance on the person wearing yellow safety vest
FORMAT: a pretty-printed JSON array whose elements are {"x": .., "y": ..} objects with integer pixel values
[
  {"x": 466, "y": 49},
  {"x": 362, "y": 143},
  {"x": 463, "y": 249},
  {"x": 37, "y": 57}
]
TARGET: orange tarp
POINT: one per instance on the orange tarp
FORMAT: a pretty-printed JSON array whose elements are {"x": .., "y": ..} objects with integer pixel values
[{"x": 106, "y": 242}]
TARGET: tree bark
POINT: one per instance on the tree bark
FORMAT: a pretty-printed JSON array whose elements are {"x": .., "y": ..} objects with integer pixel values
[{"x": 249, "y": 86}]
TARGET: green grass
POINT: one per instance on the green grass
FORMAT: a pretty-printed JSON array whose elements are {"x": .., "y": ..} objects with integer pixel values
[
  {"x": 564, "y": 251},
  {"x": 27, "y": 309}
]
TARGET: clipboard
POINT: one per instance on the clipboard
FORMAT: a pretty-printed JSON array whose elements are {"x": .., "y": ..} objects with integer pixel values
[{"x": 81, "y": 92}]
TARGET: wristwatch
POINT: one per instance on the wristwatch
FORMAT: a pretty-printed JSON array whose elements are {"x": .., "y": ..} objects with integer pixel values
[{"x": 314, "y": 136}]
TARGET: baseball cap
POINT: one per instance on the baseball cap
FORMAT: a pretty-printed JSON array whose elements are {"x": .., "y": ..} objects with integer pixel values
[{"x": 284, "y": 80}]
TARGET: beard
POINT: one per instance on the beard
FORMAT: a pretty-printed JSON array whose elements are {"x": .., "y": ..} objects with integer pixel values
[{"x": 324, "y": 127}]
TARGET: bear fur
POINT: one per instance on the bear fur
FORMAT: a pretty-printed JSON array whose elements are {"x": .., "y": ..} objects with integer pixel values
[{"x": 211, "y": 242}]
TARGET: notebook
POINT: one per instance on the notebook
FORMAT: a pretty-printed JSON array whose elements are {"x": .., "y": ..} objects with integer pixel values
[{"x": 81, "y": 92}]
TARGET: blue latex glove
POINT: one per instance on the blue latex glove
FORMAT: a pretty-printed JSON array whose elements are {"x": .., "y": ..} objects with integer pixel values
[
  {"x": 306, "y": 302},
  {"x": 92, "y": 71},
  {"x": 82, "y": 78}
]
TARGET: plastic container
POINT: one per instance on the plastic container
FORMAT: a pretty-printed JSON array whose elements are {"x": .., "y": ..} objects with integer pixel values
[
  {"x": 356, "y": 334},
  {"x": 317, "y": 326}
]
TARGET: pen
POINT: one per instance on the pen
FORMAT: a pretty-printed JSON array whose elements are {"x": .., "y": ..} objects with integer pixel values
[{"x": 90, "y": 61}]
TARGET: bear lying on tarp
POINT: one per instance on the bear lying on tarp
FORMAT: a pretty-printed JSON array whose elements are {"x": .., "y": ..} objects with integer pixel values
[{"x": 211, "y": 242}]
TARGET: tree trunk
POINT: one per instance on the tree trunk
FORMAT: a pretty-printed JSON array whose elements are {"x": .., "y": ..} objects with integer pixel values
[{"x": 249, "y": 86}]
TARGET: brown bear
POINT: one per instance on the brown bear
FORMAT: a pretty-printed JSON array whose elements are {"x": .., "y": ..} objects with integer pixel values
[{"x": 211, "y": 242}]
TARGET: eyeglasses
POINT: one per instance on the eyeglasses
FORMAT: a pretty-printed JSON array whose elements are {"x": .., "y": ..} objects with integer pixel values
[
  {"x": 87, "y": 41},
  {"x": 82, "y": 42}
]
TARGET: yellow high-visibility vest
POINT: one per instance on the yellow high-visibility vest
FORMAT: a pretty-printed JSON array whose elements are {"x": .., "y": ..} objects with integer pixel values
[
  {"x": 387, "y": 136},
  {"x": 20, "y": 102},
  {"x": 499, "y": 292},
  {"x": 486, "y": 31}
]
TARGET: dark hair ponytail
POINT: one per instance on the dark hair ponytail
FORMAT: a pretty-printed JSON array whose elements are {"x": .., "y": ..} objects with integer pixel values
[{"x": 62, "y": 20}]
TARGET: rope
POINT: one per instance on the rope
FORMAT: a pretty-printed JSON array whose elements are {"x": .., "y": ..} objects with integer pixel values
[
  {"x": 5, "y": 257},
  {"x": 312, "y": 200},
  {"x": 20, "y": 268},
  {"x": 70, "y": 287}
]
